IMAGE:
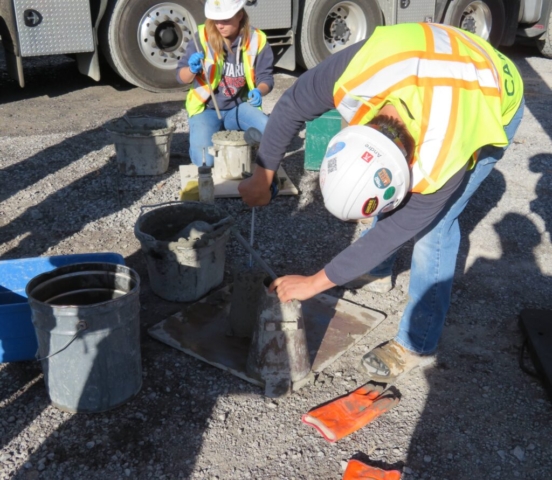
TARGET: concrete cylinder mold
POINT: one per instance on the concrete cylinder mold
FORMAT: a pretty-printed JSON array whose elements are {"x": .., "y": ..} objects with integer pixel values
[
  {"x": 233, "y": 155},
  {"x": 185, "y": 245},
  {"x": 87, "y": 321}
]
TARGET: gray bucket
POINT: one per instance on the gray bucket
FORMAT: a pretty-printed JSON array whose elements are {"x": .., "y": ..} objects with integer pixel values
[
  {"x": 87, "y": 322},
  {"x": 142, "y": 144},
  {"x": 183, "y": 269}
]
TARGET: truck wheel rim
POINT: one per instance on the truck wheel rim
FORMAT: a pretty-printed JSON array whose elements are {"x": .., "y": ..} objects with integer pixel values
[
  {"x": 476, "y": 18},
  {"x": 163, "y": 34},
  {"x": 344, "y": 25}
]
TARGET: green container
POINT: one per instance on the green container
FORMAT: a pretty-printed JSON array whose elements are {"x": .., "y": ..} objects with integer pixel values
[{"x": 319, "y": 134}]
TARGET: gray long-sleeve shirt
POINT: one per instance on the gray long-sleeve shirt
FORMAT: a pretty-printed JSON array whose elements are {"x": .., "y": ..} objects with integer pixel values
[
  {"x": 232, "y": 87},
  {"x": 307, "y": 99}
]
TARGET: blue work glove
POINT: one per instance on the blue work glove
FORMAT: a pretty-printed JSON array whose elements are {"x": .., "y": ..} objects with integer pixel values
[
  {"x": 255, "y": 97},
  {"x": 195, "y": 62}
]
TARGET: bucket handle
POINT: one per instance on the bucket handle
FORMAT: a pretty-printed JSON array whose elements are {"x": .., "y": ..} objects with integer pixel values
[
  {"x": 81, "y": 327},
  {"x": 172, "y": 202}
]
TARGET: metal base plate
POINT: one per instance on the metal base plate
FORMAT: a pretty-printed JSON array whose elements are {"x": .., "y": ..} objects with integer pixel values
[{"x": 332, "y": 326}]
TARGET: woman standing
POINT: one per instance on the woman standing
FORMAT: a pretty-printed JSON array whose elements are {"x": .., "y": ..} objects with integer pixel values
[{"x": 238, "y": 61}]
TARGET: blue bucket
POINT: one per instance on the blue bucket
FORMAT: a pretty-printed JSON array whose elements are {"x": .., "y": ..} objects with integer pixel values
[{"x": 17, "y": 333}]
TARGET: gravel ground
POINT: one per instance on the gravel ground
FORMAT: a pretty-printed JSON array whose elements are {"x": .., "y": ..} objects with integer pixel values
[{"x": 474, "y": 414}]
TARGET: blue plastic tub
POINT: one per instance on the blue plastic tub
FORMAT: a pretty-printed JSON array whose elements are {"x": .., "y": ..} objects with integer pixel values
[{"x": 17, "y": 334}]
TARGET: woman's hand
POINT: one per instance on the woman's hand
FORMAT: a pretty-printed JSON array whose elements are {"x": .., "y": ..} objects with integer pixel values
[
  {"x": 195, "y": 62},
  {"x": 298, "y": 287},
  {"x": 255, "y": 98}
]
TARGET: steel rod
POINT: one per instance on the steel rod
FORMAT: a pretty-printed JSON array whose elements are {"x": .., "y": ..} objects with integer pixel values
[
  {"x": 206, "y": 79},
  {"x": 254, "y": 254}
]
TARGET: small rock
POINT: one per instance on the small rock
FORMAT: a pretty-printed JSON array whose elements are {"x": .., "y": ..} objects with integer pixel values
[
  {"x": 407, "y": 470},
  {"x": 343, "y": 465},
  {"x": 272, "y": 405},
  {"x": 518, "y": 453},
  {"x": 127, "y": 472},
  {"x": 28, "y": 465},
  {"x": 427, "y": 458},
  {"x": 320, "y": 454},
  {"x": 222, "y": 417},
  {"x": 11, "y": 419},
  {"x": 90, "y": 445},
  {"x": 502, "y": 454}
]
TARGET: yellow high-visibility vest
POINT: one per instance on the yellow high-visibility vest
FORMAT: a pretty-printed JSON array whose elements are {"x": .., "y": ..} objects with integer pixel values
[
  {"x": 453, "y": 91},
  {"x": 199, "y": 94}
]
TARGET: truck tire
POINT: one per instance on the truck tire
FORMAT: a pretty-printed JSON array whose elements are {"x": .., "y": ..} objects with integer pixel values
[
  {"x": 328, "y": 26},
  {"x": 486, "y": 18},
  {"x": 544, "y": 43},
  {"x": 142, "y": 40}
]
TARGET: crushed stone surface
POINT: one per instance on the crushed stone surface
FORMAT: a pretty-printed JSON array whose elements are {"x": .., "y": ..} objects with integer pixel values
[{"x": 474, "y": 414}]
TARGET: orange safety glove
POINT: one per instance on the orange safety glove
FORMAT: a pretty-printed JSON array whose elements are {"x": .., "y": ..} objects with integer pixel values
[
  {"x": 349, "y": 413},
  {"x": 356, "y": 470}
]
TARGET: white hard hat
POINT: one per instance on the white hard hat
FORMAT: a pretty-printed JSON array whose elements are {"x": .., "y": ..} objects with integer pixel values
[
  {"x": 363, "y": 173},
  {"x": 222, "y": 9}
]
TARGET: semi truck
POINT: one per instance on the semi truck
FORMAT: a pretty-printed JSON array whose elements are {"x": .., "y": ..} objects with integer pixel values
[{"x": 143, "y": 40}]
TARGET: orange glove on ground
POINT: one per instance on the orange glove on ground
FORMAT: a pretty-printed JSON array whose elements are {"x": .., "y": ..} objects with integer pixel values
[
  {"x": 356, "y": 470},
  {"x": 349, "y": 413}
]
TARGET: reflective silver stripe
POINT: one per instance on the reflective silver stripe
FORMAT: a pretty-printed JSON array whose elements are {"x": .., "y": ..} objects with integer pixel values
[
  {"x": 441, "y": 40},
  {"x": 482, "y": 51},
  {"x": 439, "y": 118}
]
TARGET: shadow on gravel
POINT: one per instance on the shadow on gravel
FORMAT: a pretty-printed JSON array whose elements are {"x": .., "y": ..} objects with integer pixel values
[
  {"x": 542, "y": 205},
  {"x": 97, "y": 194},
  {"x": 497, "y": 424}
]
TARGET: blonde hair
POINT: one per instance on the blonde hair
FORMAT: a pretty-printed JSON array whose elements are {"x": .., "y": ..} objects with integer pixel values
[{"x": 217, "y": 41}]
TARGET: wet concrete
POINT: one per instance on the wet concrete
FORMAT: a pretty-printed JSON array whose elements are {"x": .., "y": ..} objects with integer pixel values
[{"x": 229, "y": 137}]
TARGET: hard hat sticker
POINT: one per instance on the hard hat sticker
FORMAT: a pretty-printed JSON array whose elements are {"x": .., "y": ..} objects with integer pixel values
[
  {"x": 370, "y": 206},
  {"x": 383, "y": 178},
  {"x": 332, "y": 165},
  {"x": 387, "y": 208},
  {"x": 389, "y": 193},
  {"x": 335, "y": 148},
  {"x": 367, "y": 157}
]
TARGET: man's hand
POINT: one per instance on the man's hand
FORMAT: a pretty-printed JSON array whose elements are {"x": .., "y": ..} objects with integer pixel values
[
  {"x": 255, "y": 190},
  {"x": 298, "y": 287}
]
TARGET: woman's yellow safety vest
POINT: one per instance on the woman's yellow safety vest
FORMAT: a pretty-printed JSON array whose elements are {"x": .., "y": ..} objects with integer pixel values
[
  {"x": 454, "y": 92},
  {"x": 199, "y": 94}
]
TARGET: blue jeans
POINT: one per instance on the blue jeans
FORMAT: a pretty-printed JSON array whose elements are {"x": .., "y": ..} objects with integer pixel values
[
  {"x": 205, "y": 124},
  {"x": 434, "y": 258}
]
